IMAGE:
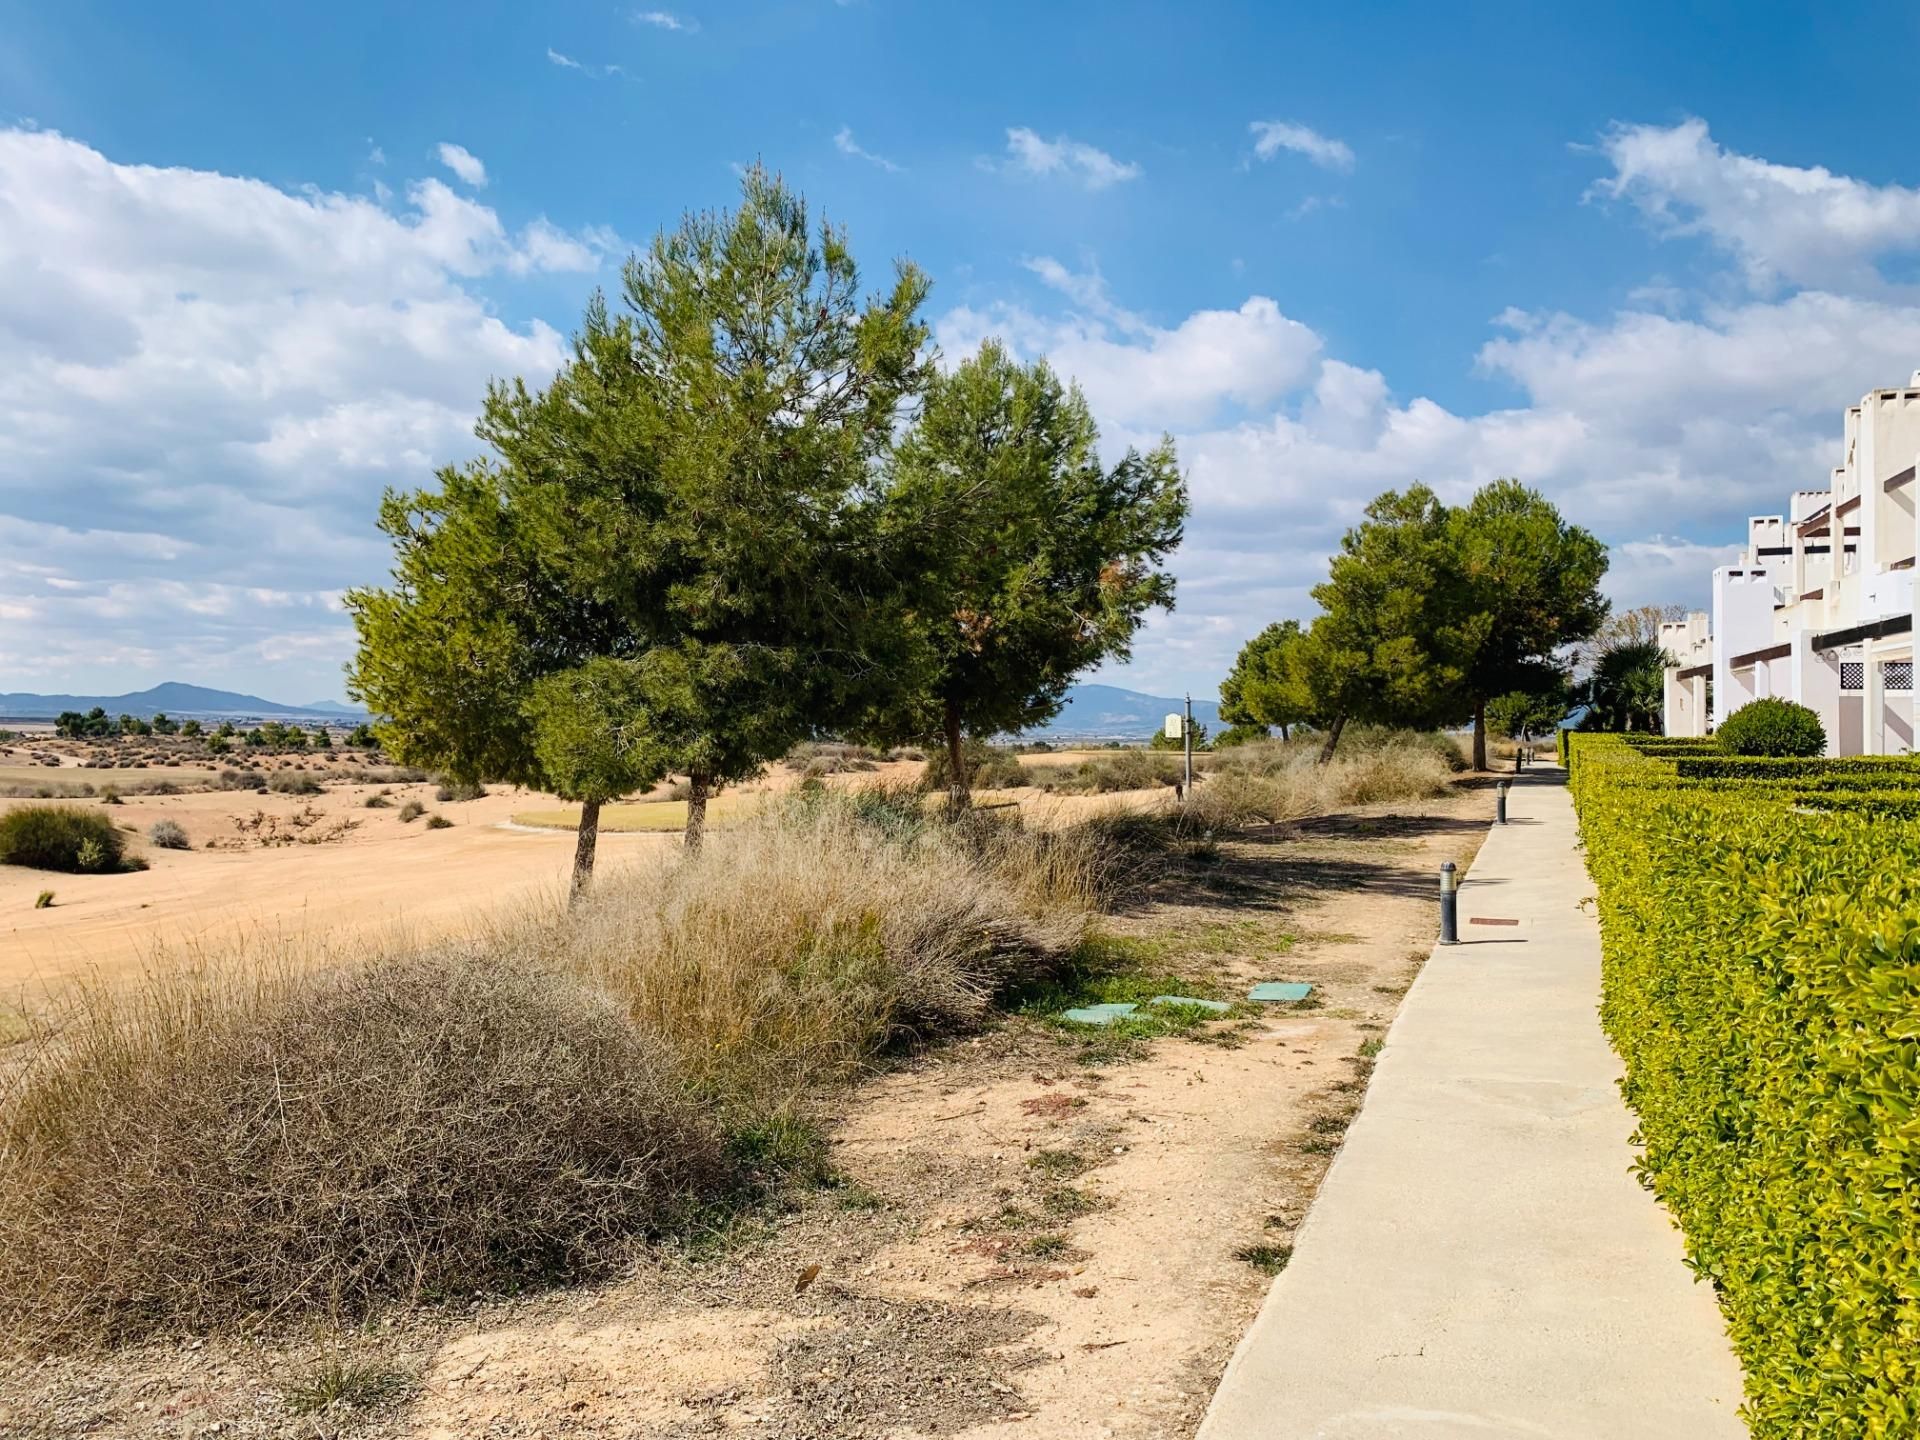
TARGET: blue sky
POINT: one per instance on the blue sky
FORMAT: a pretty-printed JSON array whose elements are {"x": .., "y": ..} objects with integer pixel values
[{"x": 262, "y": 259}]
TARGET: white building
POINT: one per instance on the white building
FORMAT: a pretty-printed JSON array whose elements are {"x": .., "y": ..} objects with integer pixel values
[{"x": 1820, "y": 606}]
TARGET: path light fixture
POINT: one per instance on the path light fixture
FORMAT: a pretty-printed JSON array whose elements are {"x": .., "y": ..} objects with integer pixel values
[
  {"x": 1500, "y": 803},
  {"x": 1449, "y": 905}
]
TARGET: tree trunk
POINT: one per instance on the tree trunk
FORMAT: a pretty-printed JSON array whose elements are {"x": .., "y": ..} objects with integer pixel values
[
  {"x": 1479, "y": 734},
  {"x": 1284, "y": 736},
  {"x": 583, "y": 847},
  {"x": 698, "y": 785},
  {"x": 1333, "y": 738},
  {"x": 959, "y": 795}
]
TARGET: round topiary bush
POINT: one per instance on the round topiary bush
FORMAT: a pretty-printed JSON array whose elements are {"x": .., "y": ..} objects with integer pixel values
[
  {"x": 1772, "y": 727},
  {"x": 60, "y": 837}
]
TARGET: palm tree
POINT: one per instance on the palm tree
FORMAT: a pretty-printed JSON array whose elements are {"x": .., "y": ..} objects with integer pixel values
[{"x": 1629, "y": 685}]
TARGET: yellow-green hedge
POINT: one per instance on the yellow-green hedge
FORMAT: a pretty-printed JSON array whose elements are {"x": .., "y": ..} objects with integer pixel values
[{"x": 1762, "y": 985}]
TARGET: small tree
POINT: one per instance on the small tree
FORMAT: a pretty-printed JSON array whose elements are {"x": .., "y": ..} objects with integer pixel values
[
  {"x": 1028, "y": 560},
  {"x": 1524, "y": 584},
  {"x": 456, "y": 653},
  {"x": 1384, "y": 649},
  {"x": 191, "y": 730},
  {"x": 668, "y": 563},
  {"x": 1629, "y": 685},
  {"x": 164, "y": 724},
  {"x": 1257, "y": 691},
  {"x": 1521, "y": 713}
]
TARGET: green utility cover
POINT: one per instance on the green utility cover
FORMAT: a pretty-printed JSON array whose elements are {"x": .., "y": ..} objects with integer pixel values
[
  {"x": 1099, "y": 1014},
  {"x": 1290, "y": 991},
  {"x": 1217, "y": 1006}
]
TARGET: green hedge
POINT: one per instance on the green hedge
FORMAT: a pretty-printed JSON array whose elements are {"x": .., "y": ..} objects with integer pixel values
[
  {"x": 1749, "y": 767},
  {"x": 1762, "y": 985}
]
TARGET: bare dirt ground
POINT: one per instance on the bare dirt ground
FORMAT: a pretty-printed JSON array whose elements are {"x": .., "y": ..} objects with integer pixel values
[{"x": 1035, "y": 1234}]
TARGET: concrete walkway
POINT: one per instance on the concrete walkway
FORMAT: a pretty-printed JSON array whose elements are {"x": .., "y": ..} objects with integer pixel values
[{"x": 1480, "y": 1263}]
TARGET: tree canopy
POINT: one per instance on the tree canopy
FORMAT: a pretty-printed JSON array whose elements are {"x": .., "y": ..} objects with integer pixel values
[
  {"x": 1431, "y": 611},
  {"x": 1528, "y": 584},
  {"x": 1260, "y": 692},
  {"x": 1030, "y": 560},
  {"x": 662, "y": 566}
]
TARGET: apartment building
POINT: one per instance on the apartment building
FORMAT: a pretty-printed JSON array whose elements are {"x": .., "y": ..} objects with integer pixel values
[{"x": 1820, "y": 606}]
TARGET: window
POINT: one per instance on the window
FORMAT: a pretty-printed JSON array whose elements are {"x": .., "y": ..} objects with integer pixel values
[
  {"x": 1897, "y": 675},
  {"x": 1853, "y": 675}
]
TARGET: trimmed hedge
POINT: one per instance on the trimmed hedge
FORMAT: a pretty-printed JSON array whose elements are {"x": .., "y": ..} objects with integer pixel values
[
  {"x": 1778, "y": 767},
  {"x": 1762, "y": 985}
]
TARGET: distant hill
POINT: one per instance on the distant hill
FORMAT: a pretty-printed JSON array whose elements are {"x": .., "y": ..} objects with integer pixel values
[
  {"x": 175, "y": 698},
  {"x": 1091, "y": 712},
  {"x": 1106, "y": 712}
]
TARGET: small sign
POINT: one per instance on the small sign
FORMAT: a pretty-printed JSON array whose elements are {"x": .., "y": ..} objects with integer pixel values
[{"x": 1172, "y": 727}]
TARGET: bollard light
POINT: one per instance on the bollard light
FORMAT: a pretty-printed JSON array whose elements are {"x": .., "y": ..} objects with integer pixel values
[
  {"x": 1516, "y": 761},
  {"x": 1449, "y": 905},
  {"x": 1500, "y": 803}
]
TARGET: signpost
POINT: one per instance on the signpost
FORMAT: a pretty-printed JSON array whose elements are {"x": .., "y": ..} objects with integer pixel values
[{"x": 1186, "y": 732}]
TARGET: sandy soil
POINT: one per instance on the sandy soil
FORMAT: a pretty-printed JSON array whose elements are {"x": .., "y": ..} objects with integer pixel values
[
  {"x": 345, "y": 872},
  {"x": 1026, "y": 1244}
]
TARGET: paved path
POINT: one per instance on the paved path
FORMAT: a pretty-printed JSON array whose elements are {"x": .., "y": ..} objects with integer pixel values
[{"x": 1480, "y": 1263}]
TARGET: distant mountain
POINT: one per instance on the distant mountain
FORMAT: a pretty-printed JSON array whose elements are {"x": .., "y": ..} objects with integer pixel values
[
  {"x": 1091, "y": 712},
  {"x": 176, "y": 699},
  {"x": 1106, "y": 712}
]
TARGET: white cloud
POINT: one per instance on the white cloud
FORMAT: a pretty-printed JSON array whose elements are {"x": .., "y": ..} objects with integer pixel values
[
  {"x": 206, "y": 382},
  {"x": 463, "y": 163},
  {"x": 1068, "y": 158},
  {"x": 844, "y": 142},
  {"x": 1659, "y": 433},
  {"x": 1805, "y": 225},
  {"x": 375, "y": 155},
  {"x": 565, "y": 62},
  {"x": 664, "y": 20},
  {"x": 1139, "y": 376},
  {"x": 1270, "y": 137}
]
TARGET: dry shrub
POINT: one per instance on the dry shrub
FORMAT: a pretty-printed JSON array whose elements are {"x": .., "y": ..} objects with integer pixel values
[
  {"x": 814, "y": 758},
  {"x": 1110, "y": 774},
  {"x": 169, "y": 835},
  {"x": 1272, "y": 782},
  {"x": 250, "y": 1143},
  {"x": 61, "y": 837},
  {"x": 793, "y": 948},
  {"x": 989, "y": 767}
]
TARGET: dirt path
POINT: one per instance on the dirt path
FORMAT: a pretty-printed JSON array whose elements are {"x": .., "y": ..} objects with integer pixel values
[{"x": 1024, "y": 1243}]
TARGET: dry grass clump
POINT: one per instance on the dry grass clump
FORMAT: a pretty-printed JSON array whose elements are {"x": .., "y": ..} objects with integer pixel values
[
  {"x": 1271, "y": 782},
  {"x": 813, "y": 758},
  {"x": 1108, "y": 774},
  {"x": 169, "y": 835},
  {"x": 247, "y": 1144},
  {"x": 989, "y": 767},
  {"x": 257, "y": 1142},
  {"x": 793, "y": 948}
]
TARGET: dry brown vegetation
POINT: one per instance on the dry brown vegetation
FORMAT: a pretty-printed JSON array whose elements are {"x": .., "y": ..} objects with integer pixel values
[
  {"x": 261, "y": 1140},
  {"x": 256, "y": 1141}
]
